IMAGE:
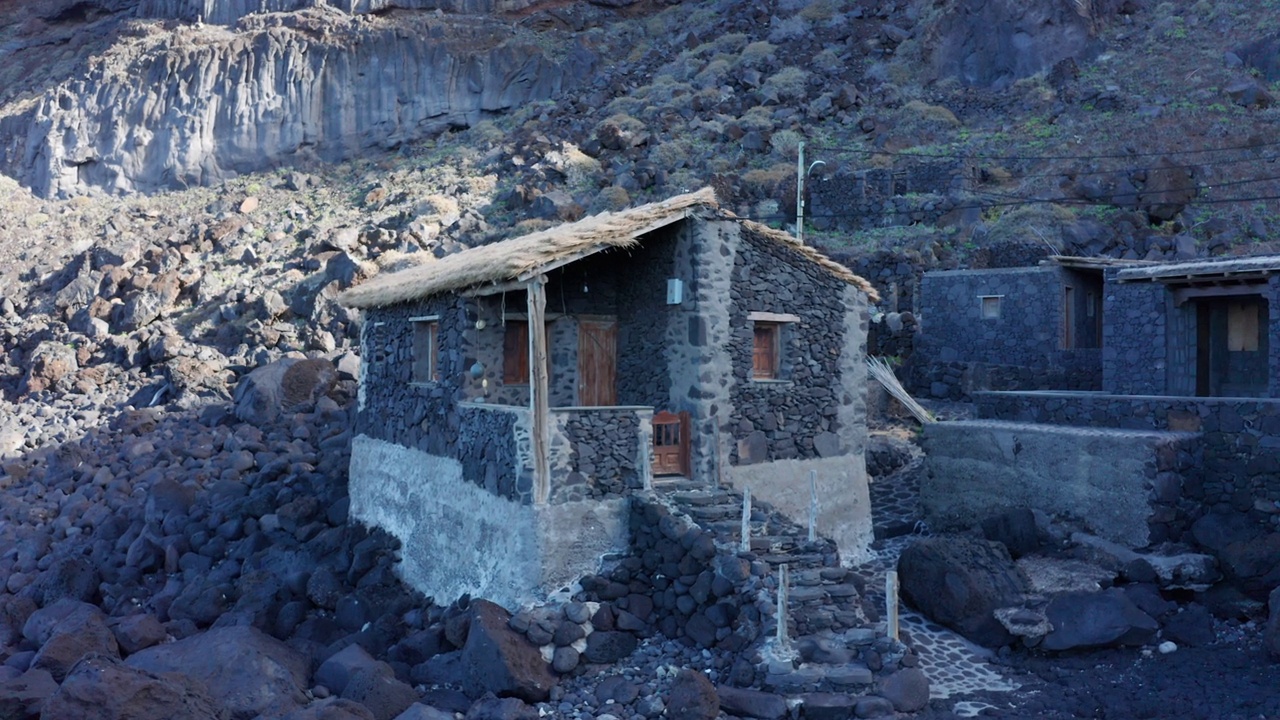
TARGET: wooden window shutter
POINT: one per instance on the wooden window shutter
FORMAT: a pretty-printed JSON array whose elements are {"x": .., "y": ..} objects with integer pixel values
[
  {"x": 764, "y": 355},
  {"x": 426, "y": 351},
  {"x": 515, "y": 353}
]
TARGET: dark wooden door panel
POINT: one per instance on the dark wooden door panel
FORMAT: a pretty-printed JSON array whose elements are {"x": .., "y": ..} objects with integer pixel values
[{"x": 597, "y": 363}]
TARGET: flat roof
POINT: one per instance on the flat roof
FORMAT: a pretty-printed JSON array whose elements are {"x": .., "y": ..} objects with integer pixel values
[{"x": 1224, "y": 269}]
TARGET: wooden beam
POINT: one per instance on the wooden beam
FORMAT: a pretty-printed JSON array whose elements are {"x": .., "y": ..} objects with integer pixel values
[
  {"x": 494, "y": 288},
  {"x": 1183, "y": 294},
  {"x": 539, "y": 389}
]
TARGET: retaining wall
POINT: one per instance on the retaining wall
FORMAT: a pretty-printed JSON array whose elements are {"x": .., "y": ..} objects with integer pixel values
[
  {"x": 1240, "y": 447},
  {"x": 1123, "y": 485}
]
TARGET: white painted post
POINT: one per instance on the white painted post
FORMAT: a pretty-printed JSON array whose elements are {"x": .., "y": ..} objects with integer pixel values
[
  {"x": 800, "y": 193},
  {"x": 783, "y": 580},
  {"x": 813, "y": 505},
  {"x": 891, "y": 603},
  {"x": 744, "y": 545}
]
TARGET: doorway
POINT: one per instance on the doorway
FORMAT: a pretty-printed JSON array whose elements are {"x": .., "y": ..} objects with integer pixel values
[
  {"x": 597, "y": 362},
  {"x": 671, "y": 443}
]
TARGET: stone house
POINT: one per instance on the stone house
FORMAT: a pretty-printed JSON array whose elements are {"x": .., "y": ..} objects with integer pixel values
[
  {"x": 1133, "y": 328},
  {"x": 514, "y": 395},
  {"x": 1176, "y": 440}
]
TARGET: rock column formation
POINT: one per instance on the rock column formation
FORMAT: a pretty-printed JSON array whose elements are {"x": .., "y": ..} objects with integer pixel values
[{"x": 197, "y": 105}]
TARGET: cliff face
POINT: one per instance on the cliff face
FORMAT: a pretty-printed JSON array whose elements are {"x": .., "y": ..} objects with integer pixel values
[
  {"x": 195, "y": 105},
  {"x": 229, "y": 12}
]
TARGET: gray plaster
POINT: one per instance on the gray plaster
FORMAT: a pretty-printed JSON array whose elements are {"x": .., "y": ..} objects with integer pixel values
[
  {"x": 844, "y": 502},
  {"x": 1101, "y": 478},
  {"x": 458, "y": 538}
]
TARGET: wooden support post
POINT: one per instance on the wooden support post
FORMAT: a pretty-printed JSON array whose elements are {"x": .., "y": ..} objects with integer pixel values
[
  {"x": 813, "y": 506},
  {"x": 539, "y": 403},
  {"x": 784, "y": 580},
  {"x": 891, "y": 603},
  {"x": 744, "y": 545}
]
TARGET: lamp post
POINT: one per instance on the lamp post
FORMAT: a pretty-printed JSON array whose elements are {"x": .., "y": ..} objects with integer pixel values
[{"x": 801, "y": 174}]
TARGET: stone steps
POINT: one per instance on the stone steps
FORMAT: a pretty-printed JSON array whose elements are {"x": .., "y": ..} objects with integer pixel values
[{"x": 820, "y": 598}]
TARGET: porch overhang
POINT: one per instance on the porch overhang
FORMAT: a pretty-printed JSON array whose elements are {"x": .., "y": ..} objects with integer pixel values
[{"x": 1205, "y": 272}]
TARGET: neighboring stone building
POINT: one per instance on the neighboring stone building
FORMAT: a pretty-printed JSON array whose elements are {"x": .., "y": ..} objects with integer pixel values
[
  {"x": 1026, "y": 328},
  {"x": 1176, "y": 443},
  {"x": 1200, "y": 328},
  {"x": 513, "y": 395}
]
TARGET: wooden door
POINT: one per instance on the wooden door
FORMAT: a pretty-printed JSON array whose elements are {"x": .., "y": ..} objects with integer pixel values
[
  {"x": 597, "y": 363},
  {"x": 671, "y": 443}
]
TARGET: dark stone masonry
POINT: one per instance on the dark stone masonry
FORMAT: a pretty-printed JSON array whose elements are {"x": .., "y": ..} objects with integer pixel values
[
  {"x": 1007, "y": 329},
  {"x": 424, "y": 416},
  {"x": 606, "y": 446},
  {"x": 791, "y": 411},
  {"x": 909, "y": 193}
]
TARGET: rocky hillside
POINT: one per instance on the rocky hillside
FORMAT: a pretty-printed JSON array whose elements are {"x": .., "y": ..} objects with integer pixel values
[{"x": 187, "y": 185}]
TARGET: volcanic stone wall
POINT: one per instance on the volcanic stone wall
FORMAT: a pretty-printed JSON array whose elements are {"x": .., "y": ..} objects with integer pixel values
[
  {"x": 678, "y": 582},
  {"x": 644, "y": 321},
  {"x": 788, "y": 413},
  {"x": 1239, "y": 462},
  {"x": 425, "y": 416},
  {"x": 959, "y": 350},
  {"x": 605, "y": 451},
  {"x": 1134, "y": 346},
  {"x": 911, "y": 192}
]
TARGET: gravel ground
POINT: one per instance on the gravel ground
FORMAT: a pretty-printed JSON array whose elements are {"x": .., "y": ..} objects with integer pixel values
[{"x": 1233, "y": 679}]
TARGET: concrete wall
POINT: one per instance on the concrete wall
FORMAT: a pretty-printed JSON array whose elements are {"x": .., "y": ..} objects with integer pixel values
[
  {"x": 1105, "y": 479},
  {"x": 459, "y": 538},
  {"x": 844, "y": 503},
  {"x": 1239, "y": 458}
]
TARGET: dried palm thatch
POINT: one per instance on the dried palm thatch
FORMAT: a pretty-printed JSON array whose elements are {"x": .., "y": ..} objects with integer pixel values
[
  {"x": 880, "y": 370},
  {"x": 521, "y": 257}
]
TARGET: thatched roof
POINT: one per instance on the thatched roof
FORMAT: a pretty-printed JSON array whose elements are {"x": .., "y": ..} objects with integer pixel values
[{"x": 522, "y": 257}]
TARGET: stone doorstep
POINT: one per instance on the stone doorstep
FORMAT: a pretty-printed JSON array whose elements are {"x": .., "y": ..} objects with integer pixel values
[
  {"x": 807, "y": 560},
  {"x": 700, "y": 498}
]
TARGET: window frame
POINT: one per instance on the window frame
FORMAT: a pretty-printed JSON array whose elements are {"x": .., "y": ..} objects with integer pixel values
[
  {"x": 426, "y": 349},
  {"x": 772, "y": 330},
  {"x": 775, "y": 325},
  {"x": 990, "y": 301}
]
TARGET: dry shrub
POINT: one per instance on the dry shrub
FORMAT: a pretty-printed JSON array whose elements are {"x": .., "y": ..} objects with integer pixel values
[
  {"x": 819, "y": 10},
  {"x": 713, "y": 74},
  {"x": 765, "y": 182},
  {"x": 731, "y": 42},
  {"x": 789, "y": 82},
  {"x": 759, "y": 118},
  {"x": 786, "y": 143},
  {"x": 756, "y": 52},
  {"x": 932, "y": 113},
  {"x": 530, "y": 225},
  {"x": 612, "y": 198},
  {"x": 672, "y": 155}
]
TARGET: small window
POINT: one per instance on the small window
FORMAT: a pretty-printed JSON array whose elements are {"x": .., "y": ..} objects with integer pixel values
[
  {"x": 1242, "y": 327},
  {"x": 515, "y": 353},
  {"x": 764, "y": 352},
  {"x": 991, "y": 307},
  {"x": 426, "y": 351}
]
